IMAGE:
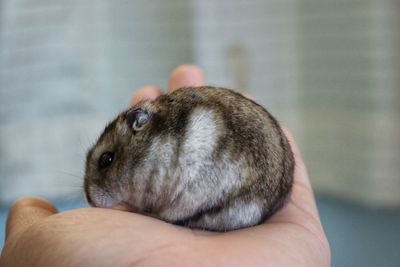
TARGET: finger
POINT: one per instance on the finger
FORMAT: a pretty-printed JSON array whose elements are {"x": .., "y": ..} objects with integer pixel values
[
  {"x": 185, "y": 76},
  {"x": 145, "y": 93},
  {"x": 302, "y": 197},
  {"x": 300, "y": 171},
  {"x": 26, "y": 212},
  {"x": 248, "y": 96}
]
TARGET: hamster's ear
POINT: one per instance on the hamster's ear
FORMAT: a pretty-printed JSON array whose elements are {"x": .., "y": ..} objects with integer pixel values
[{"x": 137, "y": 118}]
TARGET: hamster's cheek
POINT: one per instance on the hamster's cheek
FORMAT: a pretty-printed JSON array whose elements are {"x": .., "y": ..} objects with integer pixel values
[{"x": 100, "y": 198}]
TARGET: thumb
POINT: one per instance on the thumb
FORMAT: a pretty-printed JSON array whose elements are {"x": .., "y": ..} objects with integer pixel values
[
  {"x": 25, "y": 212},
  {"x": 186, "y": 75}
]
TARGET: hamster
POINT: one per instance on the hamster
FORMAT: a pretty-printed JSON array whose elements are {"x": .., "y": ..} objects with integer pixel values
[{"x": 201, "y": 157}]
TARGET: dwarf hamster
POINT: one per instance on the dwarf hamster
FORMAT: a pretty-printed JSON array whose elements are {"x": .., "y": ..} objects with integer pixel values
[{"x": 201, "y": 157}]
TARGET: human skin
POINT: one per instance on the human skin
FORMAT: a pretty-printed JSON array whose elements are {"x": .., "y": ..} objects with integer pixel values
[{"x": 37, "y": 235}]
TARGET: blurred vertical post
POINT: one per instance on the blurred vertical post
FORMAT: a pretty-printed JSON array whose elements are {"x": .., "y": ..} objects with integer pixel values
[
  {"x": 250, "y": 46},
  {"x": 385, "y": 174}
]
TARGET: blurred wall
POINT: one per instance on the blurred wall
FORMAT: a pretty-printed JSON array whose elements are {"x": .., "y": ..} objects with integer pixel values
[
  {"x": 349, "y": 66},
  {"x": 327, "y": 69},
  {"x": 67, "y": 67}
]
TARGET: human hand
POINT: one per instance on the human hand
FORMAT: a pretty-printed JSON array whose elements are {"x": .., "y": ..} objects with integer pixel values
[{"x": 39, "y": 236}]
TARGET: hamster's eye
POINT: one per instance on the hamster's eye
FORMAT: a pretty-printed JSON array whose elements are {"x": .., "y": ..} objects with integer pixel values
[
  {"x": 137, "y": 118},
  {"x": 105, "y": 160}
]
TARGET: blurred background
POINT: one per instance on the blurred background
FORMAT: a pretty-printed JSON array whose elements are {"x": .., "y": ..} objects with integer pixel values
[{"x": 328, "y": 70}]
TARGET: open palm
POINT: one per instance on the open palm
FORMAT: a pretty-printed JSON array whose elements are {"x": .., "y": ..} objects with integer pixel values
[{"x": 39, "y": 236}]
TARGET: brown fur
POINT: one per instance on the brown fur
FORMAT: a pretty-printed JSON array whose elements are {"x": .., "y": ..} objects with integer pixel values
[{"x": 248, "y": 137}]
